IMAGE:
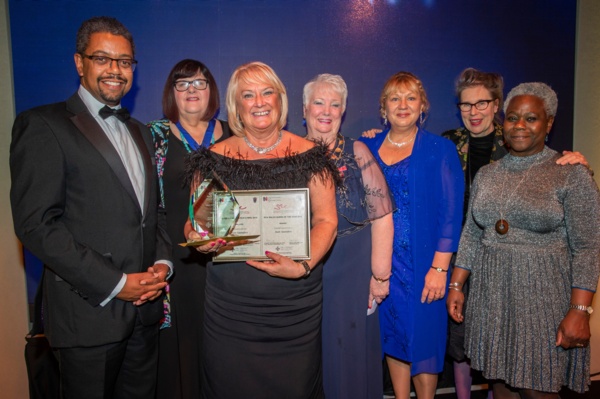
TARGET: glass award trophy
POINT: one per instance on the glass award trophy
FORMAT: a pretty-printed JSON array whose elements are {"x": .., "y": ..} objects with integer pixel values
[{"x": 214, "y": 217}]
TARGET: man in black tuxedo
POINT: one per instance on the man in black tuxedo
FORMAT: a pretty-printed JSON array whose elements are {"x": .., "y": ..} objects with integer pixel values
[{"x": 84, "y": 200}]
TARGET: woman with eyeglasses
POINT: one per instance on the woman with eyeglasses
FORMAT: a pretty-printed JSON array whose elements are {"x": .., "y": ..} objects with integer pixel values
[
  {"x": 190, "y": 105},
  {"x": 479, "y": 142}
]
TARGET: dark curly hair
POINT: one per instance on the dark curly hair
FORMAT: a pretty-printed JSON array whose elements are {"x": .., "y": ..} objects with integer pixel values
[{"x": 101, "y": 25}]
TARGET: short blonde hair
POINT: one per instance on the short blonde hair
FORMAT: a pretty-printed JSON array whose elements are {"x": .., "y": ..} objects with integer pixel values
[
  {"x": 253, "y": 72},
  {"x": 406, "y": 80}
]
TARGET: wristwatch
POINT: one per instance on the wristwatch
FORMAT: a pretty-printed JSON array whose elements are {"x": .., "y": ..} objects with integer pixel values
[
  {"x": 588, "y": 309},
  {"x": 306, "y": 268}
]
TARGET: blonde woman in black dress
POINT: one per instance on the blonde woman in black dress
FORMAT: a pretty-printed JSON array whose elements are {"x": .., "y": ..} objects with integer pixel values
[{"x": 262, "y": 325}]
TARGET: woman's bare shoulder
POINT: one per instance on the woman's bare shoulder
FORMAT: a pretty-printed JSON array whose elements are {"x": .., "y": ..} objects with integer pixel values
[
  {"x": 227, "y": 145},
  {"x": 297, "y": 143}
]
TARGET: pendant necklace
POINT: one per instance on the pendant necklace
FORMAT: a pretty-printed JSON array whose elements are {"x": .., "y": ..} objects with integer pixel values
[
  {"x": 402, "y": 143},
  {"x": 190, "y": 143},
  {"x": 502, "y": 225},
  {"x": 263, "y": 150}
]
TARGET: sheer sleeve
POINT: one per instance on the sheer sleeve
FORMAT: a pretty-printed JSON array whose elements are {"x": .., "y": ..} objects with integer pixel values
[{"x": 378, "y": 199}]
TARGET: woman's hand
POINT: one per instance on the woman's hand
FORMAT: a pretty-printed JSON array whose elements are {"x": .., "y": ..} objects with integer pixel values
[
  {"x": 574, "y": 330},
  {"x": 279, "y": 266},
  {"x": 435, "y": 286},
  {"x": 572, "y": 158},
  {"x": 378, "y": 291},
  {"x": 371, "y": 133},
  {"x": 210, "y": 247},
  {"x": 454, "y": 304}
]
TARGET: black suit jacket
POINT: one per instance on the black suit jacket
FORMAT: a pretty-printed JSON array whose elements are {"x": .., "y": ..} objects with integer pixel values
[{"x": 75, "y": 208}]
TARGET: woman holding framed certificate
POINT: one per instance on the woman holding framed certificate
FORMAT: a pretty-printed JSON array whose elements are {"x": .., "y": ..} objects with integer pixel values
[{"x": 262, "y": 326}]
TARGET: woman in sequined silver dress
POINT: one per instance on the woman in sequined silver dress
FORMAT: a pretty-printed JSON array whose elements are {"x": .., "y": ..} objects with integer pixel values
[{"x": 531, "y": 245}]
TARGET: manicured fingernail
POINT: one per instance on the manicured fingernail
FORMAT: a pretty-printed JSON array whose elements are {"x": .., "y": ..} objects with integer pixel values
[
  {"x": 267, "y": 252},
  {"x": 212, "y": 244}
]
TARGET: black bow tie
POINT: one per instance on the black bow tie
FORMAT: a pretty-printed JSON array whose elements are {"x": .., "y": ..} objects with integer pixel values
[{"x": 121, "y": 114}]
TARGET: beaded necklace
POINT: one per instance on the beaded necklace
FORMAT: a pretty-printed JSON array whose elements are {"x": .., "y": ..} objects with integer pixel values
[{"x": 264, "y": 150}]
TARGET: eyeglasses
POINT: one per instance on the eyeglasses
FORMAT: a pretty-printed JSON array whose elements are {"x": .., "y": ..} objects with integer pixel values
[
  {"x": 102, "y": 60},
  {"x": 479, "y": 105},
  {"x": 183, "y": 85}
]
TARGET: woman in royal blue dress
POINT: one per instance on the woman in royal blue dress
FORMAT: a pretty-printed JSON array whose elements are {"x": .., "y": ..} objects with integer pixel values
[
  {"x": 424, "y": 174},
  {"x": 357, "y": 269}
]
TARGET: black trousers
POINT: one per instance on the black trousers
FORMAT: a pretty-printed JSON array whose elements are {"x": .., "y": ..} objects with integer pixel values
[{"x": 121, "y": 370}]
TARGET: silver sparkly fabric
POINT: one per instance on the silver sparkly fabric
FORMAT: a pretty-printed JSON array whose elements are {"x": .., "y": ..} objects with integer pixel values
[{"x": 521, "y": 282}]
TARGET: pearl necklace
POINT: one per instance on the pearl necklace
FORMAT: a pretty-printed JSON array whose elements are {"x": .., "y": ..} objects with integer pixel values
[
  {"x": 402, "y": 143},
  {"x": 263, "y": 150}
]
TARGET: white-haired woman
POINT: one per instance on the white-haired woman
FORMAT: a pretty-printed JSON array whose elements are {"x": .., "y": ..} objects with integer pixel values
[
  {"x": 531, "y": 245},
  {"x": 357, "y": 269}
]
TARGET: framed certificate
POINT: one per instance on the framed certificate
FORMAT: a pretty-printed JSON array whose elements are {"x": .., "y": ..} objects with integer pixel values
[{"x": 280, "y": 219}]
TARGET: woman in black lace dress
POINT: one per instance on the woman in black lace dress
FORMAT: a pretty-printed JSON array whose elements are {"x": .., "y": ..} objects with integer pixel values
[
  {"x": 358, "y": 268},
  {"x": 263, "y": 318}
]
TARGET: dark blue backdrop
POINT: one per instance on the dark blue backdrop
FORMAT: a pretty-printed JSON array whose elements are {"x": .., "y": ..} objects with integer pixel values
[{"x": 365, "y": 41}]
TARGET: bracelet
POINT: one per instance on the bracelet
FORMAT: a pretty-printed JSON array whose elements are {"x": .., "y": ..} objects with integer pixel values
[
  {"x": 456, "y": 289},
  {"x": 306, "y": 268},
  {"x": 455, "y": 284},
  {"x": 439, "y": 269},
  {"x": 588, "y": 309},
  {"x": 381, "y": 280}
]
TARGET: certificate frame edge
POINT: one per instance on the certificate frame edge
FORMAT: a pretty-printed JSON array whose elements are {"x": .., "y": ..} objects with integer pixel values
[{"x": 306, "y": 190}]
